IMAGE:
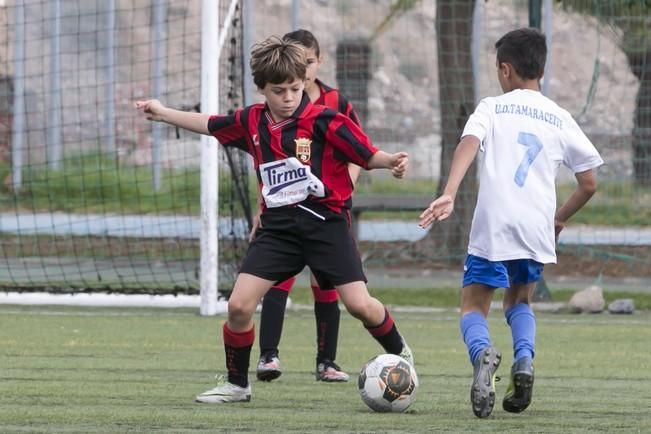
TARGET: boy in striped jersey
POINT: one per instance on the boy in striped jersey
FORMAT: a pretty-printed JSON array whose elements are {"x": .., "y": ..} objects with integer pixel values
[
  {"x": 326, "y": 301},
  {"x": 300, "y": 153}
]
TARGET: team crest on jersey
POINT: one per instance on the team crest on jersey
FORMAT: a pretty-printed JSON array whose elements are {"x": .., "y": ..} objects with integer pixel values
[{"x": 303, "y": 149}]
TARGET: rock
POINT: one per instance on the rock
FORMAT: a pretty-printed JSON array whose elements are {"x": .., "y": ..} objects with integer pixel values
[
  {"x": 589, "y": 300},
  {"x": 622, "y": 306}
]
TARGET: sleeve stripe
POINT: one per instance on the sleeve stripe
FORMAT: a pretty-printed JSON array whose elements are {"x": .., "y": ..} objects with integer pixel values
[
  {"x": 216, "y": 123},
  {"x": 360, "y": 150}
]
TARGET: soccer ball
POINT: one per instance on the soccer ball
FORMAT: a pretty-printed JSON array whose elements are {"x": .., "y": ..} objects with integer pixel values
[{"x": 388, "y": 383}]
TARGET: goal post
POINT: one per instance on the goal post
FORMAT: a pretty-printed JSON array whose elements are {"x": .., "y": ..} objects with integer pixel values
[
  {"x": 209, "y": 274},
  {"x": 213, "y": 38}
]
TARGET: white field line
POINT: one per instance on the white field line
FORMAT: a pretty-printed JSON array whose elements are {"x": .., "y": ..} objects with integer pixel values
[{"x": 111, "y": 300}]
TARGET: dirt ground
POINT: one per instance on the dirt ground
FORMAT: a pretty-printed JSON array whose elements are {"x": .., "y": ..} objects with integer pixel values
[
  {"x": 589, "y": 261},
  {"x": 609, "y": 261}
]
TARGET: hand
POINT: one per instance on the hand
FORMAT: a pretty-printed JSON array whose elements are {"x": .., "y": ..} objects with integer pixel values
[
  {"x": 438, "y": 210},
  {"x": 152, "y": 108},
  {"x": 399, "y": 163},
  {"x": 558, "y": 227},
  {"x": 256, "y": 224}
]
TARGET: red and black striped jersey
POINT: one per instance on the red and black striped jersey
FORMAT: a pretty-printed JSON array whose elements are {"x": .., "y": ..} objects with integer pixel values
[
  {"x": 316, "y": 135},
  {"x": 331, "y": 97}
]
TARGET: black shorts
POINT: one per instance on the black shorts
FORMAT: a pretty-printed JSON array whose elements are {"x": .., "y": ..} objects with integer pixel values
[{"x": 292, "y": 237}]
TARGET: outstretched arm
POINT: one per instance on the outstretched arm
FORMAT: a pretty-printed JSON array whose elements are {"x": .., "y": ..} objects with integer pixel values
[
  {"x": 586, "y": 187},
  {"x": 397, "y": 162},
  {"x": 156, "y": 111},
  {"x": 442, "y": 207}
]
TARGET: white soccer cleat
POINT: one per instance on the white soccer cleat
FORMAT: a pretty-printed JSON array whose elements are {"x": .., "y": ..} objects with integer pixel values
[
  {"x": 225, "y": 392},
  {"x": 406, "y": 353}
]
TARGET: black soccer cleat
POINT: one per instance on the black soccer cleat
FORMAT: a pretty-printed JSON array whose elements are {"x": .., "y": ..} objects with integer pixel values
[
  {"x": 330, "y": 372},
  {"x": 520, "y": 390},
  {"x": 482, "y": 391},
  {"x": 268, "y": 367}
]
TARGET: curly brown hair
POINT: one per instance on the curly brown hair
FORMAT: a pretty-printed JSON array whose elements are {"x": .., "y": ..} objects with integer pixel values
[{"x": 276, "y": 61}]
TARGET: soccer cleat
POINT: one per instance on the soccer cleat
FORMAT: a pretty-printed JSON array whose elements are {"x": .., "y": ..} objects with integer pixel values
[
  {"x": 520, "y": 390},
  {"x": 268, "y": 368},
  {"x": 406, "y": 353},
  {"x": 225, "y": 392},
  {"x": 330, "y": 372},
  {"x": 482, "y": 391}
]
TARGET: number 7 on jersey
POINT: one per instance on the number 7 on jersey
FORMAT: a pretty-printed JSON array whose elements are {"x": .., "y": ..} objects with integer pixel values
[{"x": 534, "y": 146}]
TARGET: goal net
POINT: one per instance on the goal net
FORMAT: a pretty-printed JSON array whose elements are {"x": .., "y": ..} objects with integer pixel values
[{"x": 94, "y": 197}]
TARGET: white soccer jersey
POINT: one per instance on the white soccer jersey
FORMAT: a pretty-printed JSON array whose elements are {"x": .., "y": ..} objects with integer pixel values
[{"x": 524, "y": 138}]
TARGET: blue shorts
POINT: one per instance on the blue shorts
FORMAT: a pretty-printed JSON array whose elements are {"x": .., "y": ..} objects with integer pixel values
[{"x": 500, "y": 274}]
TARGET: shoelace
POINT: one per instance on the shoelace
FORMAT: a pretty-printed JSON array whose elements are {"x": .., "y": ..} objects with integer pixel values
[
  {"x": 267, "y": 358},
  {"x": 220, "y": 379},
  {"x": 329, "y": 364}
]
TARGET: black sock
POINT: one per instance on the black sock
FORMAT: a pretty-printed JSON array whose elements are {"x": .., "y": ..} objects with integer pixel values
[
  {"x": 327, "y": 329},
  {"x": 271, "y": 320},
  {"x": 237, "y": 347},
  {"x": 387, "y": 335},
  {"x": 237, "y": 363}
]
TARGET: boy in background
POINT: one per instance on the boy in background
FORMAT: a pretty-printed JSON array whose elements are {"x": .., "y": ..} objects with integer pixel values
[
  {"x": 300, "y": 154},
  {"x": 523, "y": 137}
]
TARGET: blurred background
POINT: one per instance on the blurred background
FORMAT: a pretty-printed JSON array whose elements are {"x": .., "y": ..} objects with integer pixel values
[{"x": 95, "y": 198}]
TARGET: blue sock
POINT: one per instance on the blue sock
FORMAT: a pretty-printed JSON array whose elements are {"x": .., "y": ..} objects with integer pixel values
[
  {"x": 474, "y": 330},
  {"x": 523, "y": 330}
]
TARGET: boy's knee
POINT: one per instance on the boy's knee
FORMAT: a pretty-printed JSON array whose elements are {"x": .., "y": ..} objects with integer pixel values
[
  {"x": 356, "y": 310},
  {"x": 360, "y": 309},
  {"x": 517, "y": 294},
  {"x": 239, "y": 311}
]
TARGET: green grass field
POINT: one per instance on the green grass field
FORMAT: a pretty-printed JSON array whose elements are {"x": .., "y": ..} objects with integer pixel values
[{"x": 137, "y": 370}]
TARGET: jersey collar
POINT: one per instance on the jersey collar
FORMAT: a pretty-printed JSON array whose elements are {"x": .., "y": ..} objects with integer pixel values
[
  {"x": 301, "y": 111},
  {"x": 322, "y": 86}
]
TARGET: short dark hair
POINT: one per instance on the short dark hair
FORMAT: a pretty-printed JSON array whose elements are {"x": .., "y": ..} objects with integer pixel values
[
  {"x": 277, "y": 61},
  {"x": 306, "y": 38},
  {"x": 526, "y": 50}
]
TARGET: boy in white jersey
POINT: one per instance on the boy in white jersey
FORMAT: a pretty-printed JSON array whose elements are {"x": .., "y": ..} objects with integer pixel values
[{"x": 523, "y": 137}]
